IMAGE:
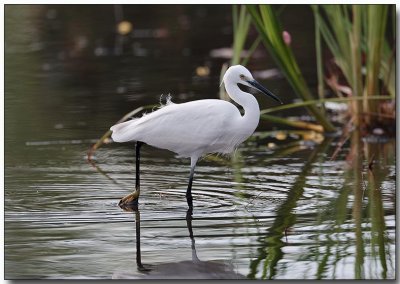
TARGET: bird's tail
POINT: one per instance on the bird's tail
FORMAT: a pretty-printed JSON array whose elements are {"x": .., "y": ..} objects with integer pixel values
[{"x": 122, "y": 132}]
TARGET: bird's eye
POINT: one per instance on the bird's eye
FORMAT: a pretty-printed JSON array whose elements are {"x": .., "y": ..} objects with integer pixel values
[{"x": 242, "y": 76}]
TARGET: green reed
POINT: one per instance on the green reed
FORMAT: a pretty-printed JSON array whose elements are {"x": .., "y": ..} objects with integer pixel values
[
  {"x": 356, "y": 35},
  {"x": 269, "y": 28}
]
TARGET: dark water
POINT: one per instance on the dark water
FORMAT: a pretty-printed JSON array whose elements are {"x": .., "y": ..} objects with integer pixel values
[{"x": 280, "y": 209}]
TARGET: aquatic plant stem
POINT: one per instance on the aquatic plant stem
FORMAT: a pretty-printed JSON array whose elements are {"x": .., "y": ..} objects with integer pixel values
[
  {"x": 293, "y": 123},
  {"x": 311, "y": 102}
]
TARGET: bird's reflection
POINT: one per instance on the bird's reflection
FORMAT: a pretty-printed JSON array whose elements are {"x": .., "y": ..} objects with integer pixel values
[
  {"x": 136, "y": 212},
  {"x": 189, "y": 218},
  {"x": 193, "y": 269}
]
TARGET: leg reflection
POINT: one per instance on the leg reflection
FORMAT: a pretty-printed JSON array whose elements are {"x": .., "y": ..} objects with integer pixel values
[
  {"x": 138, "y": 251},
  {"x": 136, "y": 212},
  {"x": 139, "y": 264},
  {"x": 186, "y": 269},
  {"x": 189, "y": 219}
]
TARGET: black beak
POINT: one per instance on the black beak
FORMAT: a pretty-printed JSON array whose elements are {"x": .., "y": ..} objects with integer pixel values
[{"x": 264, "y": 90}]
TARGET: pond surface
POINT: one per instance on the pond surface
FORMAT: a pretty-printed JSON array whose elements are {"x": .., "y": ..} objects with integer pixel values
[{"x": 284, "y": 207}]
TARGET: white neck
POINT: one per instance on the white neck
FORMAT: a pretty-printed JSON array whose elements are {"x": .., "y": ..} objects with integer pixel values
[{"x": 250, "y": 105}]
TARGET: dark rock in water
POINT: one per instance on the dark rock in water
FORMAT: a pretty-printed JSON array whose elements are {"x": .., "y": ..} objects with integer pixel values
[{"x": 187, "y": 270}]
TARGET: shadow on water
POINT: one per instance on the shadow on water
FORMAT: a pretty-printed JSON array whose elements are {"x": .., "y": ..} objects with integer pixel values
[{"x": 188, "y": 269}]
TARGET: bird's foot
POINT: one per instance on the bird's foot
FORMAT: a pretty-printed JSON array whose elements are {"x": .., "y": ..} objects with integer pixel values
[{"x": 130, "y": 202}]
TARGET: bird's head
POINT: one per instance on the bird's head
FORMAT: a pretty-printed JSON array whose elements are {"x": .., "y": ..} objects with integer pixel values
[{"x": 239, "y": 74}]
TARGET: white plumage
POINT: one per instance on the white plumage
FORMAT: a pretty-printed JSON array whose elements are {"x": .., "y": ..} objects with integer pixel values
[
  {"x": 196, "y": 128},
  {"x": 188, "y": 129}
]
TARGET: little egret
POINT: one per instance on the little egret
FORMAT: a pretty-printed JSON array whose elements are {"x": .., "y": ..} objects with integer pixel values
[{"x": 196, "y": 128}]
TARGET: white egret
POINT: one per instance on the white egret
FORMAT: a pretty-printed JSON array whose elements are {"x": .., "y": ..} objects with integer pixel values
[{"x": 196, "y": 128}]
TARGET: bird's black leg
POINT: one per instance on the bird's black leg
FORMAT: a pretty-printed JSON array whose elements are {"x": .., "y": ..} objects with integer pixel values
[
  {"x": 189, "y": 197},
  {"x": 138, "y": 146},
  {"x": 131, "y": 200}
]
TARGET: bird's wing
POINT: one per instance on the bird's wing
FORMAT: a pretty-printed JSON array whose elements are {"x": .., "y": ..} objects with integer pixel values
[{"x": 181, "y": 128}]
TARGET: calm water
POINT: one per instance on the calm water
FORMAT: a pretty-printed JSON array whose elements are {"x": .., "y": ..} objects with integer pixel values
[{"x": 280, "y": 209}]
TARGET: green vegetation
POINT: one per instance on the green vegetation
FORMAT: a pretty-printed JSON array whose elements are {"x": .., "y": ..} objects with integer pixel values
[
  {"x": 241, "y": 20},
  {"x": 268, "y": 26},
  {"x": 357, "y": 38}
]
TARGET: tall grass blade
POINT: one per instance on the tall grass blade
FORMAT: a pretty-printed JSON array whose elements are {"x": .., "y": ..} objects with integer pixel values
[
  {"x": 270, "y": 30},
  {"x": 355, "y": 38},
  {"x": 318, "y": 50},
  {"x": 376, "y": 17}
]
